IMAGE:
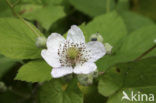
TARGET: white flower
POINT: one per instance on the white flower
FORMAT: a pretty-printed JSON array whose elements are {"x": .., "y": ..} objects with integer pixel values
[{"x": 72, "y": 55}]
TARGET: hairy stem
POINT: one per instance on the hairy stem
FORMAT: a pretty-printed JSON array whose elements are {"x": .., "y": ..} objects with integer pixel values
[
  {"x": 18, "y": 16},
  {"x": 145, "y": 53}
]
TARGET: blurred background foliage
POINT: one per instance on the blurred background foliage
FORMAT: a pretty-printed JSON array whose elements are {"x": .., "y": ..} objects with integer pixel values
[{"x": 113, "y": 19}]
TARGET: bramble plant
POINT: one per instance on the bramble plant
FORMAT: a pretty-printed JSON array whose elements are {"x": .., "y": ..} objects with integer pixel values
[{"x": 106, "y": 51}]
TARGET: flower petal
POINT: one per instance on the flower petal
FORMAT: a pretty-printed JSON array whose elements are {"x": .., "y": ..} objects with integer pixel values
[
  {"x": 75, "y": 35},
  {"x": 54, "y": 41},
  {"x": 97, "y": 50},
  {"x": 86, "y": 68},
  {"x": 51, "y": 58},
  {"x": 61, "y": 71}
]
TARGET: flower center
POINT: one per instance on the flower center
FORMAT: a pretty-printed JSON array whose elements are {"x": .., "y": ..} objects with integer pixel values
[{"x": 72, "y": 52}]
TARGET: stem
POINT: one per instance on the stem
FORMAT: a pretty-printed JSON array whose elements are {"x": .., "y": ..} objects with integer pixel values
[
  {"x": 145, "y": 53},
  {"x": 17, "y": 15},
  {"x": 107, "y": 6}
]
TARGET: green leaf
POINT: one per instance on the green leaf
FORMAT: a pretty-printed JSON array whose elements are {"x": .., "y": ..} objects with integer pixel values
[
  {"x": 133, "y": 46},
  {"x": 31, "y": 1},
  {"x": 135, "y": 21},
  {"x": 104, "y": 25},
  {"x": 57, "y": 92},
  {"x": 139, "y": 41},
  {"x": 5, "y": 64},
  {"x": 90, "y": 92},
  {"x": 34, "y": 71},
  {"x": 17, "y": 40},
  {"x": 4, "y": 9},
  {"x": 53, "y": 2},
  {"x": 142, "y": 90},
  {"x": 93, "y": 8},
  {"x": 45, "y": 15},
  {"x": 111, "y": 81},
  {"x": 133, "y": 75}
]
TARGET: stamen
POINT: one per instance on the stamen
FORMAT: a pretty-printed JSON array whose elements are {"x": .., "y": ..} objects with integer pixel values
[{"x": 73, "y": 53}]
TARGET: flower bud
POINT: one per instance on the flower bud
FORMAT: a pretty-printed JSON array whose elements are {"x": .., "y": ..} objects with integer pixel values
[
  {"x": 108, "y": 48},
  {"x": 85, "y": 79},
  {"x": 41, "y": 42},
  {"x": 96, "y": 37}
]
